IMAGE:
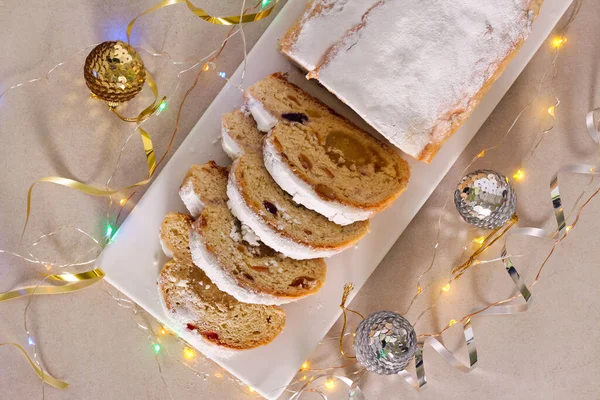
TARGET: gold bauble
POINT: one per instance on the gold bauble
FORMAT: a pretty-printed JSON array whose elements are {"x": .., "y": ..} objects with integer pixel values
[{"x": 114, "y": 72}]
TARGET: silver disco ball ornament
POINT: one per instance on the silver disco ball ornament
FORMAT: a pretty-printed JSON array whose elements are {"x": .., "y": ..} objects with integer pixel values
[
  {"x": 385, "y": 342},
  {"x": 485, "y": 199}
]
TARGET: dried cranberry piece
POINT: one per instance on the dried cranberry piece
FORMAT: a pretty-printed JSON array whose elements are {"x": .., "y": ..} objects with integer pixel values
[
  {"x": 191, "y": 327},
  {"x": 210, "y": 335}
]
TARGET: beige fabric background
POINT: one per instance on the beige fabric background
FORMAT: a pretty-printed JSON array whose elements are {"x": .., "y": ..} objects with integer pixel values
[{"x": 550, "y": 352}]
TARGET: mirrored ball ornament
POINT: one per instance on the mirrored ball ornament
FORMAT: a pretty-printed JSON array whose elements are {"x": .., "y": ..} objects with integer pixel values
[
  {"x": 114, "y": 72},
  {"x": 486, "y": 199},
  {"x": 385, "y": 342}
]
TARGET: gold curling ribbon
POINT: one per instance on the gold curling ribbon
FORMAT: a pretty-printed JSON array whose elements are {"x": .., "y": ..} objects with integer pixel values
[
  {"x": 348, "y": 287},
  {"x": 148, "y": 111},
  {"x": 74, "y": 283},
  {"x": 486, "y": 244},
  {"x": 152, "y": 108},
  {"x": 94, "y": 191},
  {"x": 47, "y": 378},
  {"x": 197, "y": 11}
]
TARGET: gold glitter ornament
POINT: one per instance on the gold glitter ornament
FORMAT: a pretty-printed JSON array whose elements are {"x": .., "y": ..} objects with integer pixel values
[{"x": 114, "y": 72}]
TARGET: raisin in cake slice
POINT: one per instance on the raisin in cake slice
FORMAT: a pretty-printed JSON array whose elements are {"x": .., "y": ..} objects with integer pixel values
[
  {"x": 233, "y": 257},
  {"x": 325, "y": 162},
  {"x": 194, "y": 303},
  {"x": 279, "y": 222}
]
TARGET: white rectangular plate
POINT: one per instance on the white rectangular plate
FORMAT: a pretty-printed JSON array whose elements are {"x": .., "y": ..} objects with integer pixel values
[{"x": 132, "y": 263}]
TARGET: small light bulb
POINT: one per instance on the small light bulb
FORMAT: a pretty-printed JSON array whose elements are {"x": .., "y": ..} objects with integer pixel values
[
  {"x": 479, "y": 240},
  {"x": 419, "y": 289},
  {"x": 189, "y": 353},
  {"x": 30, "y": 341},
  {"x": 451, "y": 322},
  {"x": 481, "y": 154},
  {"x": 569, "y": 228},
  {"x": 559, "y": 41},
  {"x": 446, "y": 288},
  {"x": 122, "y": 202},
  {"x": 218, "y": 375},
  {"x": 265, "y": 3},
  {"x": 157, "y": 348},
  {"x": 303, "y": 378},
  {"x": 304, "y": 366},
  {"x": 109, "y": 230},
  {"x": 330, "y": 384},
  {"x": 519, "y": 175},
  {"x": 251, "y": 389},
  {"x": 551, "y": 110},
  {"x": 222, "y": 74}
]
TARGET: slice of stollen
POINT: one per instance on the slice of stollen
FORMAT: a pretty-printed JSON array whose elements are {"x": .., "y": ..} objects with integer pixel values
[
  {"x": 175, "y": 236},
  {"x": 199, "y": 188},
  {"x": 259, "y": 202},
  {"x": 195, "y": 304},
  {"x": 240, "y": 135},
  {"x": 324, "y": 161},
  {"x": 237, "y": 262}
]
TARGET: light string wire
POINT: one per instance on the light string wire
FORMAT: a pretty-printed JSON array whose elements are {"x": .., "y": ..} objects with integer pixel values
[
  {"x": 558, "y": 234},
  {"x": 46, "y": 378}
]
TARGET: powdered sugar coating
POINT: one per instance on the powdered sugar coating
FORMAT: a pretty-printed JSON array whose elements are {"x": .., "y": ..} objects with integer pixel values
[
  {"x": 229, "y": 145},
  {"x": 168, "y": 252},
  {"x": 266, "y": 233},
  {"x": 191, "y": 199},
  {"x": 323, "y": 24},
  {"x": 303, "y": 193},
  {"x": 226, "y": 283},
  {"x": 443, "y": 54},
  {"x": 264, "y": 120}
]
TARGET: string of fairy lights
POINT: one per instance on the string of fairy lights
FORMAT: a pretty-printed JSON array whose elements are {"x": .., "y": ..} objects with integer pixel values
[{"x": 556, "y": 43}]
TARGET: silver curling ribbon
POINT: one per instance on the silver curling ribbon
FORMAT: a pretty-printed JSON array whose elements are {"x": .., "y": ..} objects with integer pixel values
[
  {"x": 500, "y": 308},
  {"x": 421, "y": 381},
  {"x": 592, "y": 124}
]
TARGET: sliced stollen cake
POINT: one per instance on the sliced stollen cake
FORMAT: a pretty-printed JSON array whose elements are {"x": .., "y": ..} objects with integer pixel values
[
  {"x": 175, "y": 236},
  {"x": 325, "y": 162},
  {"x": 196, "y": 190},
  {"x": 258, "y": 201},
  {"x": 239, "y": 134},
  {"x": 194, "y": 303},
  {"x": 233, "y": 257}
]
